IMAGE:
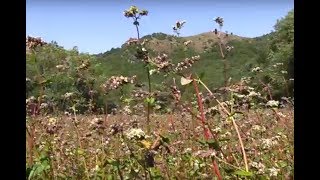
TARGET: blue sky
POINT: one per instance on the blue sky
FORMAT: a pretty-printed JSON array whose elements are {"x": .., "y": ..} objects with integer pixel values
[{"x": 95, "y": 26}]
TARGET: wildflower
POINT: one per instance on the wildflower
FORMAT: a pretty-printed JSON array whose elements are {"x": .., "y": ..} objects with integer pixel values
[
  {"x": 127, "y": 110},
  {"x": 239, "y": 95},
  {"x": 259, "y": 128},
  {"x": 143, "y": 13},
  {"x": 252, "y": 94},
  {"x": 135, "y": 133},
  {"x": 259, "y": 166},
  {"x": 43, "y": 105},
  {"x": 284, "y": 72},
  {"x": 187, "y": 150},
  {"x": 216, "y": 130},
  {"x": 256, "y": 69},
  {"x": 188, "y": 62},
  {"x": 179, "y": 24},
  {"x": 115, "y": 82},
  {"x": 268, "y": 143},
  {"x": 219, "y": 20},
  {"x": 229, "y": 48},
  {"x": 68, "y": 95},
  {"x": 162, "y": 62},
  {"x": 272, "y": 103},
  {"x": 273, "y": 171}
]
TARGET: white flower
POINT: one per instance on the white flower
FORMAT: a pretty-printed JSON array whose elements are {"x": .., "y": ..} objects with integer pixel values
[
  {"x": 152, "y": 71},
  {"x": 252, "y": 93},
  {"x": 196, "y": 165},
  {"x": 268, "y": 143},
  {"x": 217, "y": 130},
  {"x": 284, "y": 72},
  {"x": 127, "y": 110},
  {"x": 239, "y": 95},
  {"x": 43, "y": 105},
  {"x": 135, "y": 133},
  {"x": 272, "y": 103},
  {"x": 259, "y": 128},
  {"x": 273, "y": 171},
  {"x": 256, "y": 69},
  {"x": 187, "y": 150},
  {"x": 68, "y": 94},
  {"x": 261, "y": 167},
  {"x": 144, "y": 49}
]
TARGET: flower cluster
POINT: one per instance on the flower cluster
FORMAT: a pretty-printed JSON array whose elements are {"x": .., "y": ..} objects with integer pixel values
[
  {"x": 135, "y": 133},
  {"x": 116, "y": 81},
  {"x": 162, "y": 62},
  {"x": 133, "y": 11},
  {"x": 256, "y": 69},
  {"x": 272, "y": 103},
  {"x": 268, "y": 143},
  {"x": 140, "y": 93},
  {"x": 51, "y": 126},
  {"x": 178, "y": 26},
  {"x": 259, "y": 166},
  {"x": 219, "y": 20},
  {"x": 188, "y": 62},
  {"x": 33, "y": 42},
  {"x": 229, "y": 48},
  {"x": 68, "y": 95},
  {"x": 176, "y": 94}
]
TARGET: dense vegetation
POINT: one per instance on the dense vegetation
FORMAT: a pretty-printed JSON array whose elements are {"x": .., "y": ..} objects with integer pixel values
[{"x": 217, "y": 105}]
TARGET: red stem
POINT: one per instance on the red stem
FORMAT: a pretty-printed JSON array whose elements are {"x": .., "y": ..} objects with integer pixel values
[{"x": 207, "y": 133}]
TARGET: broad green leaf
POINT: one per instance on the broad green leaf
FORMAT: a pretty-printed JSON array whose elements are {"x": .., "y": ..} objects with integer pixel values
[{"x": 243, "y": 173}]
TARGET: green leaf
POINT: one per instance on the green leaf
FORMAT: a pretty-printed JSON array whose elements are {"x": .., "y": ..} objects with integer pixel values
[
  {"x": 165, "y": 139},
  {"x": 213, "y": 144},
  {"x": 112, "y": 162},
  {"x": 243, "y": 173}
]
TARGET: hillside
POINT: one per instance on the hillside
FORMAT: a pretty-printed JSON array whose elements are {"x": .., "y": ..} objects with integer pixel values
[{"x": 247, "y": 53}]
